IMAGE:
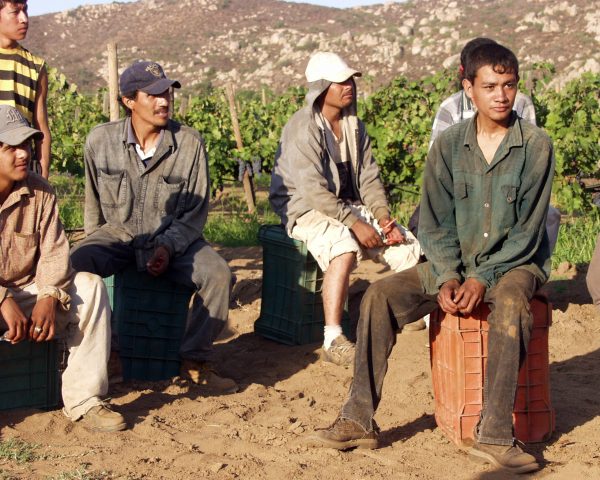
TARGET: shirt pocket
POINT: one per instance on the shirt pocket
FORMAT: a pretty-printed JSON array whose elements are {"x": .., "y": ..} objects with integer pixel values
[
  {"x": 508, "y": 203},
  {"x": 23, "y": 252},
  {"x": 113, "y": 190},
  {"x": 169, "y": 198}
]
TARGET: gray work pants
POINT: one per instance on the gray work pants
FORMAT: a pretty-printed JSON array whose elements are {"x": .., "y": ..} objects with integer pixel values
[
  {"x": 398, "y": 299},
  {"x": 200, "y": 268},
  {"x": 593, "y": 275}
]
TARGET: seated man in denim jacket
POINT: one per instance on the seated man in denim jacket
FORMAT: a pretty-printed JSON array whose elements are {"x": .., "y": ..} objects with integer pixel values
[{"x": 146, "y": 203}]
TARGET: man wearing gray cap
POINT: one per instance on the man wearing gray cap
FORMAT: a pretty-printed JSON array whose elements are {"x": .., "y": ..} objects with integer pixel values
[
  {"x": 146, "y": 203},
  {"x": 325, "y": 186},
  {"x": 39, "y": 295}
]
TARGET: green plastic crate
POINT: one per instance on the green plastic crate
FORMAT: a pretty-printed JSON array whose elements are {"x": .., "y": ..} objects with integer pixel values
[
  {"x": 29, "y": 375},
  {"x": 150, "y": 313},
  {"x": 291, "y": 309}
]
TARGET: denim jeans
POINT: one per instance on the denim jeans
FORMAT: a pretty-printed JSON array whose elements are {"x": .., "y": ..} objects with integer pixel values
[
  {"x": 394, "y": 301},
  {"x": 200, "y": 268}
]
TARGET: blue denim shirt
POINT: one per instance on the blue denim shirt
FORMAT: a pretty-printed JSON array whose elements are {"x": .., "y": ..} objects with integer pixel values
[
  {"x": 163, "y": 203},
  {"x": 481, "y": 220}
]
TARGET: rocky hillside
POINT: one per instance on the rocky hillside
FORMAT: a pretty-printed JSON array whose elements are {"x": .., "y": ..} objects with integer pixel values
[{"x": 267, "y": 42}]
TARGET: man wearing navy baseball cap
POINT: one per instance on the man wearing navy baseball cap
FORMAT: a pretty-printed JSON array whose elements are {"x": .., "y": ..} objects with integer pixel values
[{"x": 146, "y": 203}]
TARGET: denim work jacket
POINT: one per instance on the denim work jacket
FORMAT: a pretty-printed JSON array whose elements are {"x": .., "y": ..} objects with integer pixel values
[
  {"x": 164, "y": 203},
  {"x": 481, "y": 220}
]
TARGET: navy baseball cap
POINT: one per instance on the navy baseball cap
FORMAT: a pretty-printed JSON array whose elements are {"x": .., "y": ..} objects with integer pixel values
[{"x": 147, "y": 77}]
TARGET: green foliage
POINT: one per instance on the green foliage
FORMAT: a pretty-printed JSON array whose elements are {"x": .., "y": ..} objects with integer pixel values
[
  {"x": 71, "y": 116},
  {"x": 70, "y": 192},
  {"x": 576, "y": 239},
  {"x": 260, "y": 126},
  {"x": 573, "y": 123},
  {"x": 230, "y": 227},
  {"x": 399, "y": 119},
  {"x": 209, "y": 114},
  {"x": 17, "y": 450}
]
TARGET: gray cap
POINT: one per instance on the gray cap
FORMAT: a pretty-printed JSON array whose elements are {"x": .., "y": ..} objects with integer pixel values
[{"x": 14, "y": 129}]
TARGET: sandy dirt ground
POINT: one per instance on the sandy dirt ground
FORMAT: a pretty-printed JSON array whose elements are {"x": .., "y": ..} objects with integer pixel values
[{"x": 178, "y": 431}]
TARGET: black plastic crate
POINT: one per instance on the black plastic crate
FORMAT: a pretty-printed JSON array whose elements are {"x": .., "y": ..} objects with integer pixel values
[
  {"x": 291, "y": 309},
  {"x": 150, "y": 314},
  {"x": 29, "y": 376}
]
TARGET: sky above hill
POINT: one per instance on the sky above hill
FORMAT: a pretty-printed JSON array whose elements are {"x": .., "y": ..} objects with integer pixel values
[{"x": 39, "y": 7}]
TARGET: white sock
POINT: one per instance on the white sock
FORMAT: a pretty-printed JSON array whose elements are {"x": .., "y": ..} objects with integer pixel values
[{"x": 331, "y": 333}]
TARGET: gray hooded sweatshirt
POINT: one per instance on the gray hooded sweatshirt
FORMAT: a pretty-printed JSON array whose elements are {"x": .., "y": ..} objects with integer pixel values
[{"x": 305, "y": 176}]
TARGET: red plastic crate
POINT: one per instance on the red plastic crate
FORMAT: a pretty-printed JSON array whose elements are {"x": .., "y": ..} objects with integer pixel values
[{"x": 458, "y": 361}]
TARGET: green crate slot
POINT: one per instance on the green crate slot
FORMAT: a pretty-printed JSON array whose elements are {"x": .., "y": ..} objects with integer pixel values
[
  {"x": 291, "y": 307},
  {"x": 150, "y": 313},
  {"x": 29, "y": 375}
]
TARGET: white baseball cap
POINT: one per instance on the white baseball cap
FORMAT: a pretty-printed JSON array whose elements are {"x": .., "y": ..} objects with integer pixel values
[{"x": 329, "y": 66}]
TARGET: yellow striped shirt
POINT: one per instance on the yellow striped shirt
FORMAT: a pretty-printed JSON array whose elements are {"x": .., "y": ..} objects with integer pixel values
[{"x": 19, "y": 72}]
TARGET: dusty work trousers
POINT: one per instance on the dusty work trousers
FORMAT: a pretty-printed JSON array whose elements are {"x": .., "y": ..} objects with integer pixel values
[
  {"x": 199, "y": 268},
  {"x": 593, "y": 274},
  {"x": 394, "y": 301},
  {"x": 85, "y": 329}
]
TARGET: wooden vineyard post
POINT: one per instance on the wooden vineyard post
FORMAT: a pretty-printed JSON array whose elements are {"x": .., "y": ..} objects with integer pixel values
[
  {"x": 113, "y": 81},
  {"x": 246, "y": 179}
]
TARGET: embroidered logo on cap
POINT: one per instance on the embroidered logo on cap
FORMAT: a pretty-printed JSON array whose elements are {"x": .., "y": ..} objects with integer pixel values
[
  {"x": 14, "y": 116},
  {"x": 154, "y": 69}
]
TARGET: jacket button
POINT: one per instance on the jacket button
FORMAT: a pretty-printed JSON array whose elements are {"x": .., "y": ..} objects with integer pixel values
[{"x": 485, "y": 234}]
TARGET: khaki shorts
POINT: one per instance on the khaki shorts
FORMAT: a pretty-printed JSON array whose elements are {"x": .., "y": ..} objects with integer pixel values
[{"x": 327, "y": 238}]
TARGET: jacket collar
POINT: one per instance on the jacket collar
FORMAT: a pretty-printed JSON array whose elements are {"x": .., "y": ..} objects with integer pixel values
[
  {"x": 513, "y": 137},
  {"x": 168, "y": 137}
]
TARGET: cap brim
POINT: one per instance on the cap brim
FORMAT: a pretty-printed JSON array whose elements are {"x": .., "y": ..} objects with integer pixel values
[
  {"x": 160, "y": 86},
  {"x": 342, "y": 76},
  {"x": 18, "y": 135}
]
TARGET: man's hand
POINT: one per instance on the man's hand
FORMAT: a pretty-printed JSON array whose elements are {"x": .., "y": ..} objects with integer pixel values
[
  {"x": 366, "y": 235},
  {"x": 393, "y": 234},
  {"x": 15, "y": 320},
  {"x": 159, "y": 262},
  {"x": 446, "y": 296},
  {"x": 43, "y": 319},
  {"x": 469, "y": 295}
]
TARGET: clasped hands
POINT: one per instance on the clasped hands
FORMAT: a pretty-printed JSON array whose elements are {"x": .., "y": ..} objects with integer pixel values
[
  {"x": 39, "y": 328},
  {"x": 454, "y": 297}
]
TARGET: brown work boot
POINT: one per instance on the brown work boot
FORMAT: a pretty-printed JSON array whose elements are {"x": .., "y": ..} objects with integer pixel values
[
  {"x": 340, "y": 352},
  {"x": 204, "y": 374},
  {"x": 344, "y": 434},
  {"x": 509, "y": 457},
  {"x": 101, "y": 418}
]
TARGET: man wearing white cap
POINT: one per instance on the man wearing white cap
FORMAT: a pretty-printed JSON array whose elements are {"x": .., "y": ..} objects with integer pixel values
[
  {"x": 39, "y": 295},
  {"x": 325, "y": 186}
]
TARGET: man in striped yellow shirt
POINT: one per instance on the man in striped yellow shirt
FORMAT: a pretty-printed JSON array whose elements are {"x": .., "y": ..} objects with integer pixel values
[{"x": 23, "y": 77}]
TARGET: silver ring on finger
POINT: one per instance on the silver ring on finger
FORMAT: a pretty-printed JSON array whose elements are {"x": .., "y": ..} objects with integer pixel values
[{"x": 37, "y": 329}]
